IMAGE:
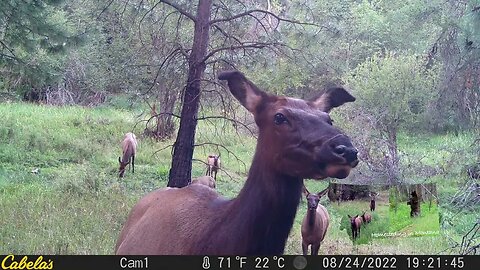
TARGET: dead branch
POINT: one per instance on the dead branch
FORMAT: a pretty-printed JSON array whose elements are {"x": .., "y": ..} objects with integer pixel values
[
  {"x": 181, "y": 10},
  {"x": 224, "y": 148},
  {"x": 265, "y": 12}
]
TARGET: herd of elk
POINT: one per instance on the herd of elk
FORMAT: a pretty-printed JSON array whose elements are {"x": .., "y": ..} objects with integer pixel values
[
  {"x": 296, "y": 140},
  {"x": 213, "y": 165},
  {"x": 315, "y": 223},
  {"x": 205, "y": 180},
  {"x": 129, "y": 148},
  {"x": 355, "y": 224}
]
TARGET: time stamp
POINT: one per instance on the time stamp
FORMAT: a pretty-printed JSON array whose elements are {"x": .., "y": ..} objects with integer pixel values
[{"x": 316, "y": 262}]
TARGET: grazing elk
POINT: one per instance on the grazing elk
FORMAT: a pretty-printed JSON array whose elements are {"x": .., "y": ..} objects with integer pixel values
[
  {"x": 414, "y": 204},
  {"x": 213, "y": 165},
  {"x": 205, "y": 180},
  {"x": 296, "y": 140},
  {"x": 315, "y": 223},
  {"x": 366, "y": 218},
  {"x": 355, "y": 223},
  {"x": 129, "y": 147},
  {"x": 372, "y": 201}
]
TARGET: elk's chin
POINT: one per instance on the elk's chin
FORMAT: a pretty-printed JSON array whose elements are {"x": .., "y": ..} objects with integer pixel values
[{"x": 338, "y": 171}]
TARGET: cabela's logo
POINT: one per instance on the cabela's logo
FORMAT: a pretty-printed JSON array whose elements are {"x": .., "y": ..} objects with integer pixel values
[{"x": 9, "y": 262}]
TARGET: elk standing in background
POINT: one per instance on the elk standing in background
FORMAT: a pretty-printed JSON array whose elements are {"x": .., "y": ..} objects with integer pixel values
[
  {"x": 213, "y": 165},
  {"x": 315, "y": 223},
  {"x": 129, "y": 147},
  {"x": 296, "y": 140},
  {"x": 372, "y": 201}
]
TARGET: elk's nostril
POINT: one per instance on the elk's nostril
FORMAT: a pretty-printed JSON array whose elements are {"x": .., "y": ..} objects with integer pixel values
[
  {"x": 351, "y": 154},
  {"x": 339, "y": 149}
]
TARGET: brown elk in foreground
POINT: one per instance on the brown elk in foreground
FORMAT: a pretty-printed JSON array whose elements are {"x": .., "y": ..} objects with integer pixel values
[
  {"x": 296, "y": 140},
  {"x": 366, "y": 218},
  {"x": 213, "y": 165},
  {"x": 205, "y": 180},
  {"x": 315, "y": 223},
  {"x": 355, "y": 224},
  {"x": 129, "y": 147}
]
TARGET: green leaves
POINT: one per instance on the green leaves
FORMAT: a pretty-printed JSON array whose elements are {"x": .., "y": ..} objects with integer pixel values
[{"x": 395, "y": 89}]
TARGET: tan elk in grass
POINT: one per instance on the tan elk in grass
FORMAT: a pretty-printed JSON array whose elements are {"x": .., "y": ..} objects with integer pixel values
[
  {"x": 355, "y": 224},
  {"x": 205, "y": 180},
  {"x": 366, "y": 218},
  {"x": 315, "y": 223},
  {"x": 296, "y": 140},
  {"x": 213, "y": 165},
  {"x": 129, "y": 148}
]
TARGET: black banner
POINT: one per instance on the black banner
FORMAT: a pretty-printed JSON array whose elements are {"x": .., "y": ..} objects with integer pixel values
[{"x": 72, "y": 262}]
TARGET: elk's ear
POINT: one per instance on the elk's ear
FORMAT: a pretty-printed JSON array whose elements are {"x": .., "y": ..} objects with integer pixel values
[
  {"x": 331, "y": 98},
  {"x": 305, "y": 190},
  {"x": 119, "y": 160},
  {"x": 349, "y": 216},
  {"x": 249, "y": 95},
  {"x": 323, "y": 192}
]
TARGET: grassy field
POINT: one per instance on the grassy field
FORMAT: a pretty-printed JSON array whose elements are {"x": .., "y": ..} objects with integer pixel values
[
  {"x": 77, "y": 205},
  {"x": 428, "y": 220}
]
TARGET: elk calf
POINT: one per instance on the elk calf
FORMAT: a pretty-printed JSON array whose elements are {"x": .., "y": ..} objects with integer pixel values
[
  {"x": 355, "y": 223},
  {"x": 129, "y": 147},
  {"x": 366, "y": 218},
  {"x": 213, "y": 165},
  {"x": 315, "y": 223},
  {"x": 204, "y": 180}
]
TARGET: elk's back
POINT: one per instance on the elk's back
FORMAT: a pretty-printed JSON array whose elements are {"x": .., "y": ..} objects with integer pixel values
[{"x": 167, "y": 221}]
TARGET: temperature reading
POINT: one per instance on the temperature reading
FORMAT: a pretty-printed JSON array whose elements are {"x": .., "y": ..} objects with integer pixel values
[
  {"x": 226, "y": 262},
  {"x": 263, "y": 262}
]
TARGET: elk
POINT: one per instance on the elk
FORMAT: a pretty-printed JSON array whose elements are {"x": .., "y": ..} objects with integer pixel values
[
  {"x": 129, "y": 147},
  {"x": 355, "y": 223},
  {"x": 372, "y": 201},
  {"x": 205, "y": 180},
  {"x": 366, "y": 218},
  {"x": 315, "y": 223},
  {"x": 296, "y": 140},
  {"x": 213, "y": 165}
]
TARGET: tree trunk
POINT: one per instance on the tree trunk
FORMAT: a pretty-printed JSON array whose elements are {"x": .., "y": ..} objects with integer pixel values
[{"x": 181, "y": 171}]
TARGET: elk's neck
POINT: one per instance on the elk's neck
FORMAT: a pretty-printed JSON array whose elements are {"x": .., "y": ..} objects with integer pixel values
[
  {"x": 265, "y": 209},
  {"x": 311, "y": 214}
]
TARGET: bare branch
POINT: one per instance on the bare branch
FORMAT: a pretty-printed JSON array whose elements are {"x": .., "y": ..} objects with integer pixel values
[
  {"x": 179, "y": 9},
  {"x": 221, "y": 169},
  {"x": 223, "y": 147},
  {"x": 250, "y": 12},
  {"x": 104, "y": 9},
  {"x": 245, "y": 45}
]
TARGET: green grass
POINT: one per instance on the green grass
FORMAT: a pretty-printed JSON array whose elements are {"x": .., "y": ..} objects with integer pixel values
[
  {"x": 427, "y": 221},
  {"x": 77, "y": 205}
]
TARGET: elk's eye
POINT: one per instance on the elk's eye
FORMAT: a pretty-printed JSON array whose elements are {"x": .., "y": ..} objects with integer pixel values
[{"x": 279, "y": 119}]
